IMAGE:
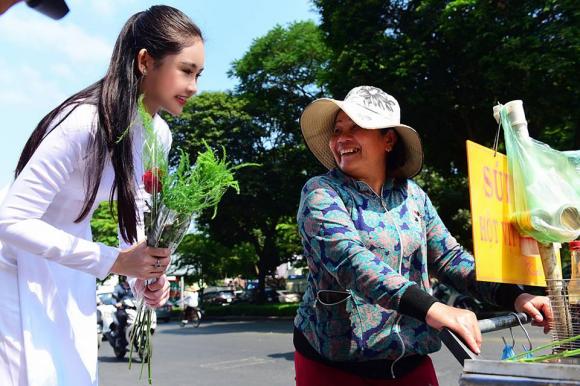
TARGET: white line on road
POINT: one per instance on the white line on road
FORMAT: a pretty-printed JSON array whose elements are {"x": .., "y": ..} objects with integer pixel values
[{"x": 252, "y": 361}]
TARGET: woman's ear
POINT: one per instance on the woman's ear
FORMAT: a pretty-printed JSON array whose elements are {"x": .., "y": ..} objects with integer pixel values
[
  {"x": 144, "y": 61},
  {"x": 390, "y": 140}
]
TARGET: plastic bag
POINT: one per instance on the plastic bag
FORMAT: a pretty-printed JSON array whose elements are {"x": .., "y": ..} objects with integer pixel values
[{"x": 545, "y": 190}]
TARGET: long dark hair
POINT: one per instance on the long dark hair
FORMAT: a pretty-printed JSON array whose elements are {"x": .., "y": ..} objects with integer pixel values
[{"x": 162, "y": 31}]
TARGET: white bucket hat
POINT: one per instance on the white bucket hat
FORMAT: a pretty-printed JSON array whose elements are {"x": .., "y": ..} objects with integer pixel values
[{"x": 370, "y": 108}]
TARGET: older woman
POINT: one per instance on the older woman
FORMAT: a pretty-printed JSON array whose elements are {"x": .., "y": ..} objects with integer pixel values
[{"x": 371, "y": 238}]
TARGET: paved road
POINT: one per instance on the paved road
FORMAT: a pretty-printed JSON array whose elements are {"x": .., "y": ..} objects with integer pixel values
[{"x": 246, "y": 353}]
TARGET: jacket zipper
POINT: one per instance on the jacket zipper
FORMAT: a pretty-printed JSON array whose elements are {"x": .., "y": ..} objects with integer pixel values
[{"x": 396, "y": 326}]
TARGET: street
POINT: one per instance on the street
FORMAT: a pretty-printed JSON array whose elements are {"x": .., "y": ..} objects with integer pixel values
[
  {"x": 250, "y": 353},
  {"x": 216, "y": 353}
]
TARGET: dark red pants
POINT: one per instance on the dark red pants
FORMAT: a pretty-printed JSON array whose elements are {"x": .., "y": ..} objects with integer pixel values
[{"x": 312, "y": 373}]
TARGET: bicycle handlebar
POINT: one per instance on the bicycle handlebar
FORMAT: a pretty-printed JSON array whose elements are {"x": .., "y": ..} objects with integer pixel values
[
  {"x": 458, "y": 348},
  {"x": 503, "y": 322}
]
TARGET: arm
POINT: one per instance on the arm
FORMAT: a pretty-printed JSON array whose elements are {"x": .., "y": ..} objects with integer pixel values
[
  {"x": 456, "y": 267},
  {"x": 331, "y": 239},
  {"x": 47, "y": 171}
]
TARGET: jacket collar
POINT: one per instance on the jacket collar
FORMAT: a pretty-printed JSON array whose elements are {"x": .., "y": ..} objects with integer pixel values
[{"x": 391, "y": 184}]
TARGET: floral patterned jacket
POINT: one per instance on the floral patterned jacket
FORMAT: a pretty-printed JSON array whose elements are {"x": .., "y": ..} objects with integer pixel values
[{"x": 369, "y": 260}]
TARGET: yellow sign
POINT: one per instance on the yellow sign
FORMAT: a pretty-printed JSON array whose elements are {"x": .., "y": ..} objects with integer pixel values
[{"x": 501, "y": 254}]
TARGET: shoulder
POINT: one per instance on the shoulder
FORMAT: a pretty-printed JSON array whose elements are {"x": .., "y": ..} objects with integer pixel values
[
  {"x": 76, "y": 123},
  {"x": 82, "y": 115},
  {"x": 324, "y": 181},
  {"x": 416, "y": 193},
  {"x": 414, "y": 190},
  {"x": 322, "y": 192},
  {"x": 328, "y": 180}
]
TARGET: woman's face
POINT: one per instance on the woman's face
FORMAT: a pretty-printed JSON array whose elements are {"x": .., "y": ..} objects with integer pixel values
[
  {"x": 169, "y": 82},
  {"x": 358, "y": 152}
]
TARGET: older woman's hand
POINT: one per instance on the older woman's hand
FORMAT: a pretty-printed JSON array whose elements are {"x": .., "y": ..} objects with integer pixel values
[
  {"x": 462, "y": 322},
  {"x": 538, "y": 308}
]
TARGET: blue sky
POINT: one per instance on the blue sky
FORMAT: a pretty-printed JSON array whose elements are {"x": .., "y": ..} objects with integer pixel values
[{"x": 44, "y": 61}]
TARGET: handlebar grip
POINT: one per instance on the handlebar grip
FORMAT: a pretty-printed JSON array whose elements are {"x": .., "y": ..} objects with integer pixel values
[{"x": 502, "y": 322}]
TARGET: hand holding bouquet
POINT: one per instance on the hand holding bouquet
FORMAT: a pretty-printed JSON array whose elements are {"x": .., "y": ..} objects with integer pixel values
[{"x": 176, "y": 197}]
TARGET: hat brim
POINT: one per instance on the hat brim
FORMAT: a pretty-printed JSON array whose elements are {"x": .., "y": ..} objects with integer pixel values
[{"x": 317, "y": 125}]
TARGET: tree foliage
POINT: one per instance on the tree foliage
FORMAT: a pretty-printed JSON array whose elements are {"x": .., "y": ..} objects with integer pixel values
[
  {"x": 104, "y": 225},
  {"x": 208, "y": 261},
  {"x": 448, "y": 62},
  {"x": 279, "y": 75}
]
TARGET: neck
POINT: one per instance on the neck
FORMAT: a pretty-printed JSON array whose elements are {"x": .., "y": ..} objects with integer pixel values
[
  {"x": 151, "y": 107},
  {"x": 375, "y": 184},
  {"x": 376, "y": 179}
]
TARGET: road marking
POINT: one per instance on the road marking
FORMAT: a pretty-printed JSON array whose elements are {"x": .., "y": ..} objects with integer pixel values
[{"x": 252, "y": 361}]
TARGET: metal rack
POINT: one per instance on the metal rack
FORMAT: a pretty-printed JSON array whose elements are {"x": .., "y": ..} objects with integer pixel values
[
  {"x": 565, "y": 309},
  {"x": 493, "y": 372}
]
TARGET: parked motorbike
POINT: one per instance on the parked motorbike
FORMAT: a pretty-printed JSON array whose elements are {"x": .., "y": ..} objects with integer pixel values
[{"x": 122, "y": 326}]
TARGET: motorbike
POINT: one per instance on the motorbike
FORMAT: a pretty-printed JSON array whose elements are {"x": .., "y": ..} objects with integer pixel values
[
  {"x": 99, "y": 328},
  {"x": 121, "y": 328}
]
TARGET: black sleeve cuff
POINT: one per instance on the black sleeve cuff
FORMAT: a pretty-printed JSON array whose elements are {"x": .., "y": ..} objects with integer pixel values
[
  {"x": 506, "y": 295},
  {"x": 415, "y": 302}
]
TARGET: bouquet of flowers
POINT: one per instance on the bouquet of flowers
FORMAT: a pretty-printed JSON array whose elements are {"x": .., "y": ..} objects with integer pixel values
[{"x": 176, "y": 197}]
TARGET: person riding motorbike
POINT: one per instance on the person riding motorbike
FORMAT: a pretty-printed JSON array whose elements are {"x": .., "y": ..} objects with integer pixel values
[{"x": 121, "y": 292}]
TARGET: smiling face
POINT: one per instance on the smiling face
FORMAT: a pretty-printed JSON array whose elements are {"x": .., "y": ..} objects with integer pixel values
[
  {"x": 169, "y": 82},
  {"x": 360, "y": 153}
]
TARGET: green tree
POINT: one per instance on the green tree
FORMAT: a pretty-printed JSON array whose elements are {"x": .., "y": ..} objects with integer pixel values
[
  {"x": 448, "y": 62},
  {"x": 219, "y": 118},
  {"x": 278, "y": 76},
  {"x": 104, "y": 225},
  {"x": 207, "y": 260}
]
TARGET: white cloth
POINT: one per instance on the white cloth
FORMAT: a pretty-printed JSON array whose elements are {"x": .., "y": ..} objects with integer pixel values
[
  {"x": 48, "y": 263},
  {"x": 190, "y": 299}
]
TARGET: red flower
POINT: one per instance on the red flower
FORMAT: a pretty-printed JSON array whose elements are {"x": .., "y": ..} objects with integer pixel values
[{"x": 151, "y": 179}]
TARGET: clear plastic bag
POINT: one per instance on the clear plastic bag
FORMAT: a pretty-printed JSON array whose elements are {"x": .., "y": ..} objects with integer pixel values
[{"x": 545, "y": 190}]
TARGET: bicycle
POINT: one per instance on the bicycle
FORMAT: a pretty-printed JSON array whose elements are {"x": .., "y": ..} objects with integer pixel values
[{"x": 191, "y": 315}]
